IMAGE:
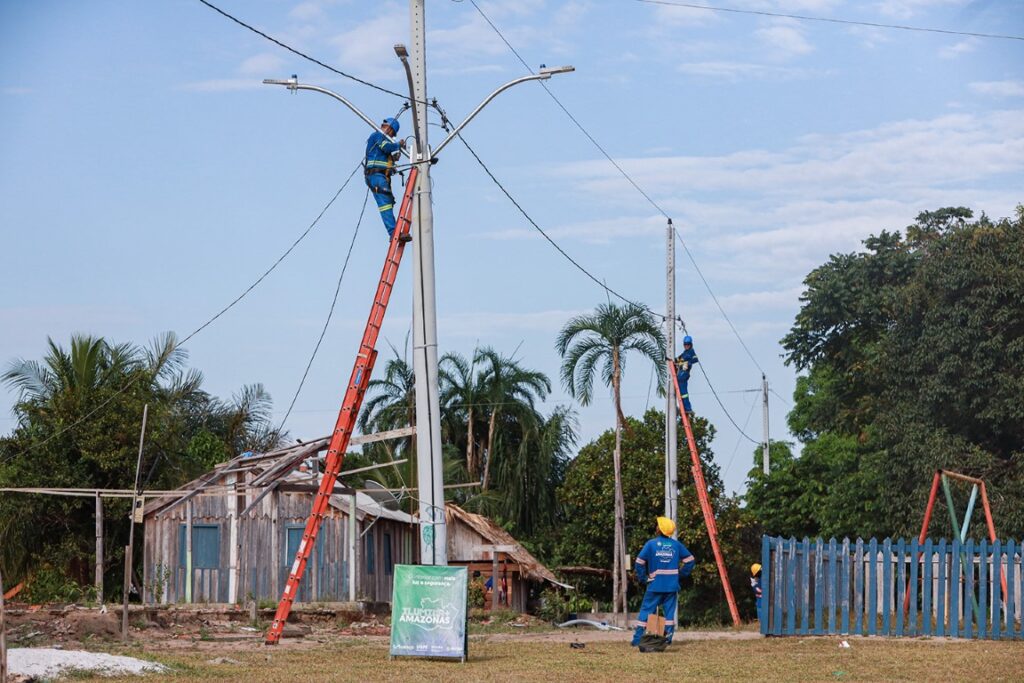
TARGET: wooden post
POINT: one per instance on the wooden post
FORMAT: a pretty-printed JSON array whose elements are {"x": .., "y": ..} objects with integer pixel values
[
  {"x": 232, "y": 540},
  {"x": 275, "y": 546},
  {"x": 3, "y": 636},
  {"x": 352, "y": 568},
  {"x": 99, "y": 550},
  {"x": 494, "y": 580},
  {"x": 131, "y": 529},
  {"x": 188, "y": 552}
]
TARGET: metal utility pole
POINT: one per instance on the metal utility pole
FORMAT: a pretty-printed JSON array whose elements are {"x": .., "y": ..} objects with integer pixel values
[
  {"x": 430, "y": 479},
  {"x": 767, "y": 443},
  {"x": 131, "y": 529},
  {"x": 671, "y": 437}
]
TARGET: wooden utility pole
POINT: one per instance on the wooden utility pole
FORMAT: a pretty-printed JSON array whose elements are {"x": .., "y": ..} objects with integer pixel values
[
  {"x": 131, "y": 529},
  {"x": 3, "y": 636},
  {"x": 99, "y": 550}
]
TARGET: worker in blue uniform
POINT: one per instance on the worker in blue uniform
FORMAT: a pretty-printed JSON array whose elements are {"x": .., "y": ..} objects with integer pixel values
[
  {"x": 684, "y": 364},
  {"x": 755, "y": 585},
  {"x": 381, "y": 152},
  {"x": 658, "y": 566}
]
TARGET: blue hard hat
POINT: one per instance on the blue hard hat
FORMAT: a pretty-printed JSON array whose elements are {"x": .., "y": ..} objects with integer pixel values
[
  {"x": 687, "y": 339},
  {"x": 393, "y": 122}
]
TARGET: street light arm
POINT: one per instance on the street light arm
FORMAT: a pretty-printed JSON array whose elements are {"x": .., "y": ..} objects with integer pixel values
[
  {"x": 293, "y": 85},
  {"x": 542, "y": 76}
]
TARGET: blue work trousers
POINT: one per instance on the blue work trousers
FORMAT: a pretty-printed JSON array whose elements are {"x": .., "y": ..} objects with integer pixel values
[
  {"x": 684, "y": 391},
  {"x": 654, "y": 599},
  {"x": 380, "y": 188}
]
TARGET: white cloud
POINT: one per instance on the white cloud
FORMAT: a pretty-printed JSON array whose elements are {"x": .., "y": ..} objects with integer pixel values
[
  {"x": 306, "y": 11},
  {"x": 998, "y": 88},
  {"x": 955, "y": 50},
  {"x": 261, "y": 64},
  {"x": 737, "y": 71},
  {"x": 591, "y": 232},
  {"x": 904, "y": 9},
  {"x": 222, "y": 85},
  {"x": 784, "y": 40},
  {"x": 367, "y": 49}
]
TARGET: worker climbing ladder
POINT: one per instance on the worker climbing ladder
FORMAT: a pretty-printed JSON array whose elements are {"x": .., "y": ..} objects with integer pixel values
[
  {"x": 350, "y": 406},
  {"x": 702, "y": 496}
]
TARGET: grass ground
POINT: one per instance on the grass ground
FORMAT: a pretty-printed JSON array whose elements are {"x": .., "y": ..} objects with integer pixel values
[{"x": 606, "y": 657}]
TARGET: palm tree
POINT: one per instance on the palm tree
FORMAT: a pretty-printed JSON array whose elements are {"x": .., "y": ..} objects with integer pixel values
[
  {"x": 604, "y": 338},
  {"x": 460, "y": 391},
  {"x": 506, "y": 386},
  {"x": 393, "y": 406}
]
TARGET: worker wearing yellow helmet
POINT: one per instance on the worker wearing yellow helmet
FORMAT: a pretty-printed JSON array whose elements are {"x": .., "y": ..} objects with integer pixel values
[
  {"x": 755, "y": 585},
  {"x": 659, "y": 565}
]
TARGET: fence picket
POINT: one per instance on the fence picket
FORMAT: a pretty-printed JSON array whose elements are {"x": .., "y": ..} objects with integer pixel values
[
  {"x": 968, "y": 627},
  {"x": 858, "y": 588},
  {"x": 805, "y": 606},
  {"x": 940, "y": 594},
  {"x": 777, "y": 585},
  {"x": 915, "y": 558},
  {"x": 955, "y": 584},
  {"x": 886, "y": 587},
  {"x": 845, "y": 582},
  {"x": 1011, "y": 604},
  {"x": 997, "y": 589},
  {"x": 926, "y": 589},
  {"x": 872, "y": 611},
  {"x": 901, "y": 585},
  {"x": 819, "y": 585},
  {"x": 983, "y": 589},
  {"x": 831, "y": 573},
  {"x": 791, "y": 586},
  {"x": 766, "y": 592}
]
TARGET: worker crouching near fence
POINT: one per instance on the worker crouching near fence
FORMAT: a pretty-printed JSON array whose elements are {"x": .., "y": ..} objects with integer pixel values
[{"x": 659, "y": 565}]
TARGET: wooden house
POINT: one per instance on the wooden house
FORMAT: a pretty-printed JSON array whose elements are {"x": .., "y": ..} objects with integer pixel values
[
  {"x": 476, "y": 542},
  {"x": 233, "y": 534}
]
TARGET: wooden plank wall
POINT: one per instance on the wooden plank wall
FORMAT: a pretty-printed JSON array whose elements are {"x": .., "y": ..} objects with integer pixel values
[
  {"x": 892, "y": 588},
  {"x": 263, "y": 566}
]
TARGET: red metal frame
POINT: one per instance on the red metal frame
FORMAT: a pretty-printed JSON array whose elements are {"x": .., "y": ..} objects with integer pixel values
[
  {"x": 705, "y": 504},
  {"x": 936, "y": 480},
  {"x": 353, "y": 400}
]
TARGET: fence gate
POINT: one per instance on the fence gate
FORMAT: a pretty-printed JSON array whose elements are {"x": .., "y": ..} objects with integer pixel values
[{"x": 891, "y": 588}]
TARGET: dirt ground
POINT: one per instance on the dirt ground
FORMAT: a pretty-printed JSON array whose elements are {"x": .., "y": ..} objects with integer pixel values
[{"x": 211, "y": 645}]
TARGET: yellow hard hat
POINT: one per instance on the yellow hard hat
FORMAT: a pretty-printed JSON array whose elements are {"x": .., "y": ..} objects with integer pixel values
[
  {"x": 666, "y": 526},
  {"x": 754, "y": 569}
]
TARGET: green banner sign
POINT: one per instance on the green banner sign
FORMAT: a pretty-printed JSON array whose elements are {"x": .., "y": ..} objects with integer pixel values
[{"x": 428, "y": 612}]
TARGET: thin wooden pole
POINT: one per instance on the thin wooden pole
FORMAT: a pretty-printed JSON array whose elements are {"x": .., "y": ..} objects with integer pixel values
[
  {"x": 3, "y": 635},
  {"x": 188, "y": 552},
  {"x": 99, "y": 550},
  {"x": 131, "y": 529}
]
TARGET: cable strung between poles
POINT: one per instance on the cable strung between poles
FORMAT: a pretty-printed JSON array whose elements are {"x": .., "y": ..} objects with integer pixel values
[
  {"x": 131, "y": 382},
  {"x": 330, "y": 314},
  {"x": 308, "y": 58}
]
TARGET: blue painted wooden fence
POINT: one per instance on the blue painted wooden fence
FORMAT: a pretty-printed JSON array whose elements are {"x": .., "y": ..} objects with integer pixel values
[{"x": 902, "y": 588}]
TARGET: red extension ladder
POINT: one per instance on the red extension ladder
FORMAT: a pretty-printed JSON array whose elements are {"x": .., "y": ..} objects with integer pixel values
[
  {"x": 705, "y": 504},
  {"x": 350, "y": 406}
]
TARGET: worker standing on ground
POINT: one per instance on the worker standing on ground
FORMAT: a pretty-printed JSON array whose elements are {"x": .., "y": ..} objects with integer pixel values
[
  {"x": 659, "y": 565},
  {"x": 381, "y": 153},
  {"x": 755, "y": 585},
  {"x": 684, "y": 364}
]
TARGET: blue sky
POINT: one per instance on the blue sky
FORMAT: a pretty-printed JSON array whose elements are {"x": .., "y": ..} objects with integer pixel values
[{"x": 146, "y": 177}]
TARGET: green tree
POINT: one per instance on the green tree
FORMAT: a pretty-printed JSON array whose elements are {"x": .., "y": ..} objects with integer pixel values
[
  {"x": 604, "y": 338},
  {"x": 586, "y": 537}
]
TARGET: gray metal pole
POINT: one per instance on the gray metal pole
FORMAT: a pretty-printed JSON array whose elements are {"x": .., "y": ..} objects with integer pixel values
[
  {"x": 767, "y": 444},
  {"x": 671, "y": 438},
  {"x": 99, "y": 550},
  {"x": 430, "y": 476},
  {"x": 131, "y": 529}
]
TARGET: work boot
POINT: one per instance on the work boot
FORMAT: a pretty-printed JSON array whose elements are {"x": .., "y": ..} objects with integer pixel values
[
  {"x": 638, "y": 633},
  {"x": 405, "y": 238},
  {"x": 669, "y": 631}
]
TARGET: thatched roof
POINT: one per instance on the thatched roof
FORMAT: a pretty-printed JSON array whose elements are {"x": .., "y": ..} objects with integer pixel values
[{"x": 529, "y": 566}]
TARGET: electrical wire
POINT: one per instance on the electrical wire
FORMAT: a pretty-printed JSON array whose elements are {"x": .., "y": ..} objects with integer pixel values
[
  {"x": 308, "y": 58},
  {"x": 625, "y": 175},
  {"x": 739, "y": 441},
  {"x": 103, "y": 404},
  {"x": 848, "y": 22},
  {"x": 330, "y": 314}
]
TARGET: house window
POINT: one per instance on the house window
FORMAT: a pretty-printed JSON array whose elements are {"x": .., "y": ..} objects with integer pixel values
[
  {"x": 369, "y": 552},
  {"x": 295, "y": 532},
  {"x": 388, "y": 564},
  {"x": 205, "y": 546}
]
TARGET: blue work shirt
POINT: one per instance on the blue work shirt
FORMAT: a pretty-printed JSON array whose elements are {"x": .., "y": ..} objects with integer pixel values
[
  {"x": 661, "y": 562},
  {"x": 379, "y": 151},
  {"x": 687, "y": 359}
]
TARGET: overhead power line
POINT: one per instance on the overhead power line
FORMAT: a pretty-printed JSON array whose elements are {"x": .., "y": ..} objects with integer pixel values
[
  {"x": 299, "y": 53},
  {"x": 829, "y": 20},
  {"x": 103, "y": 404},
  {"x": 330, "y": 314}
]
